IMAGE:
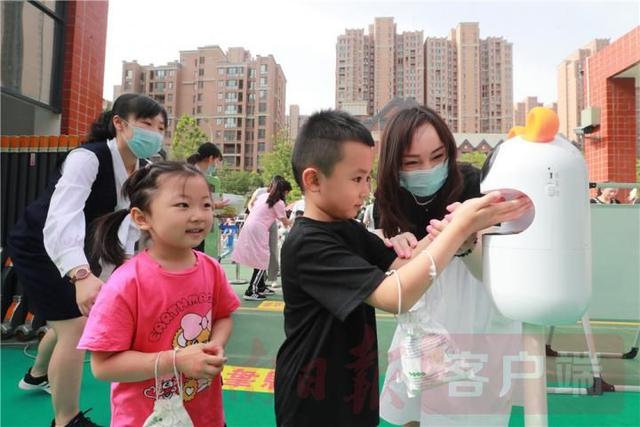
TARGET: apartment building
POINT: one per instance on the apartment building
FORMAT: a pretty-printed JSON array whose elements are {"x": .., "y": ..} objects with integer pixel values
[
  {"x": 237, "y": 100},
  {"x": 468, "y": 80}
]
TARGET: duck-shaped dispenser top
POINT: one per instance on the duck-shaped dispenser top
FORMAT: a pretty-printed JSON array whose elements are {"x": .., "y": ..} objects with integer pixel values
[{"x": 537, "y": 268}]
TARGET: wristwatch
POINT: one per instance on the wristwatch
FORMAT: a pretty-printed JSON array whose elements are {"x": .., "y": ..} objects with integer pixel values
[{"x": 80, "y": 274}]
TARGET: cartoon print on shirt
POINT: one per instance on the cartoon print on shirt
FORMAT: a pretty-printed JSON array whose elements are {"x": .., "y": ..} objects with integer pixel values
[{"x": 194, "y": 329}]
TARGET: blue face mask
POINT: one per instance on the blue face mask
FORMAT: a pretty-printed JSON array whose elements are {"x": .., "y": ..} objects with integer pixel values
[
  {"x": 211, "y": 170},
  {"x": 427, "y": 182},
  {"x": 144, "y": 143}
]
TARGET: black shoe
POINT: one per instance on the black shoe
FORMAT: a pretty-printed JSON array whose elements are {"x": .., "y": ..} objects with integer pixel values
[
  {"x": 29, "y": 382},
  {"x": 254, "y": 297},
  {"x": 79, "y": 421}
]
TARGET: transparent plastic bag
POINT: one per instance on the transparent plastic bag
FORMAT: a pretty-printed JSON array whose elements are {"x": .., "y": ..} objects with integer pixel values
[{"x": 429, "y": 356}]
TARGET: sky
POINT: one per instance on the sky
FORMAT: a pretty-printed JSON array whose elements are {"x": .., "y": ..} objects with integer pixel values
[{"x": 302, "y": 35}]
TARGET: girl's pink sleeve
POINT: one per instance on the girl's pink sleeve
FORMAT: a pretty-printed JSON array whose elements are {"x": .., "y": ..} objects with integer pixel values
[
  {"x": 111, "y": 323},
  {"x": 227, "y": 301}
]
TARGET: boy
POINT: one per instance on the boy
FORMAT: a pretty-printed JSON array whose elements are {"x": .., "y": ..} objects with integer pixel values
[{"x": 333, "y": 276}]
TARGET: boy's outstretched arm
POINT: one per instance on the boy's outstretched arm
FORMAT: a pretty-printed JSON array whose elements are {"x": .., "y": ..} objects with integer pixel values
[
  {"x": 414, "y": 272},
  {"x": 472, "y": 216}
]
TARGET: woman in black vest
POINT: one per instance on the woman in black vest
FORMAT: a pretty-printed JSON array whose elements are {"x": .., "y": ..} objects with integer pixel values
[{"x": 50, "y": 244}]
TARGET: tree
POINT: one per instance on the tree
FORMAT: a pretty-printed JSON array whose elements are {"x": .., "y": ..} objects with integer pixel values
[
  {"x": 278, "y": 162},
  {"x": 239, "y": 182},
  {"x": 476, "y": 158},
  {"x": 187, "y": 138}
]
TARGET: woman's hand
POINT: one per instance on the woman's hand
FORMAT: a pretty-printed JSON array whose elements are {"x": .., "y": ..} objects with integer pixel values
[
  {"x": 482, "y": 212},
  {"x": 86, "y": 293},
  {"x": 221, "y": 204},
  {"x": 403, "y": 244},
  {"x": 201, "y": 360},
  {"x": 435, "y": 227}
]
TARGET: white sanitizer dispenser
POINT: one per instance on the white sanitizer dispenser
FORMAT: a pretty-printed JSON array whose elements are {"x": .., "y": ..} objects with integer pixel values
[{"x": 537, "y": 268}]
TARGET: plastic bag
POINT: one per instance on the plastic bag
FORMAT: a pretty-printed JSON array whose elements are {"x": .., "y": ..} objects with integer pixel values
[
  {"x": 168, "y": 412},
  {"x": 428, "y": 354}
]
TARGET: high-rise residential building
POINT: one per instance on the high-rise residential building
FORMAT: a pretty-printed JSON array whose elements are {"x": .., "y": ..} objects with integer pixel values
[
  {"x": 441, "y": 78},
  {"x": 373, "y": 68},
  {"x": 237, "y": 100},
  {"x": 521, "y": 109},
  {"x": 354, "y": 73},
  {"x": 466, "y": 79},
  {"x": 469, "y": 81},
  {"x": 571, "y": 88},
  {"x": 293, "y": 121}
]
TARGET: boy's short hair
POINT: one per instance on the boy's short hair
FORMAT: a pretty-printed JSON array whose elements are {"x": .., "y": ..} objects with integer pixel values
[{"x": 320, "y": 141}]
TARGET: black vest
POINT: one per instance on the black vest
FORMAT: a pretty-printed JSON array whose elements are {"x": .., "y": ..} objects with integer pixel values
[{"x": 27, "y": 234}]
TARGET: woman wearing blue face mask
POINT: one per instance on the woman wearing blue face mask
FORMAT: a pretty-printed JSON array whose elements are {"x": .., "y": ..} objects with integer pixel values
[
  {"x": 208, "y": 159},
  {"x": 50, "y": 244},
  {"x": 418, "y": 177}
]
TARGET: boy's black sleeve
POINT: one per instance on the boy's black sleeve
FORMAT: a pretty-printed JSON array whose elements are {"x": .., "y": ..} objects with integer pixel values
[
  {"x": 334, "y": 275},
  {"x": 378, "y": 253}
]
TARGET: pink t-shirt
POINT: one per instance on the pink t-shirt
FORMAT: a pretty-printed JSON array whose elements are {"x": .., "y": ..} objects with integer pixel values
[{"x": 145, "y": 308}]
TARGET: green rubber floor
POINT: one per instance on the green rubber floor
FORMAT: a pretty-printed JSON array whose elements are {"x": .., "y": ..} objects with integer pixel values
[{"x": 255, "y": 341}]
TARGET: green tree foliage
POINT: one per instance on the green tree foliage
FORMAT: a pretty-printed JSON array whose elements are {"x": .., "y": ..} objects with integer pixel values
[
  {"x": 278, "y": 162},
  {"x": 476, "y": 158},
  {"x": 239, "y": 182},
  {"x": 187, "y": 138}
]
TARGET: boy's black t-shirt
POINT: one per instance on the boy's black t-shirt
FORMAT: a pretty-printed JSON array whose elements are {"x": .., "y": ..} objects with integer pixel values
[{"x": 327, "y": 367}]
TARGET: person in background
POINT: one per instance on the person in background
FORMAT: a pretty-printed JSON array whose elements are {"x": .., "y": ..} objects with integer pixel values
[
  {"x": 252, "y": 247},
  {"x": 606, "y": 196},
  {"x": 634, "y": 198},
  {"x": 208, "y": 159}
]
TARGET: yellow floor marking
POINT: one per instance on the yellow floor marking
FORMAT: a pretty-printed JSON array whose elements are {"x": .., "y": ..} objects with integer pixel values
[{"x": 243, "y": 378}]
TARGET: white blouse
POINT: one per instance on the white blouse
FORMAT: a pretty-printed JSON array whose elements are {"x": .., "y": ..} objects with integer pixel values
[{"x": 64, "y": 230}]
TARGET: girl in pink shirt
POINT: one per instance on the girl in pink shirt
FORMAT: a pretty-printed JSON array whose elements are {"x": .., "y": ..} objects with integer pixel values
[{"x": 168, "y": 301}]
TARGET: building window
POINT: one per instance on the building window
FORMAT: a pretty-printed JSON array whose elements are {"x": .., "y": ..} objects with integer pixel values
[
  {"x": 221, "y": 71},
  {"x": 261, "y": 134},
  {"x": 199, "y": 97},
  {"x": 260, "y": 147},
  {"x": 262, "y": 120},
  {"x": 263, "y": 69},
  {"x": 219, "y": 122},
  {"x": 38, "y": 58},
  {"x": 129, "y": 74},
  {"x": 199, "y": 109},
  {"x": 200, "y": 85},
  {"x": 263, "y": 81},
  {"x": 262, "y": 107},
  {"x": 170, "y": 85},
  {"x": 220, "y": 95},
  {"x": 169, "y": 110},
  {"x": 170, "y": 97},
  {"x": 201, "y": 72},
  {"x": 202, "y": 60},
  {"x": 263, "y": 94}
]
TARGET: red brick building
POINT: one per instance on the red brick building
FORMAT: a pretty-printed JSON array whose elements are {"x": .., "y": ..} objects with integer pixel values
[
  {"x": 53, "y": 56},
  {"x": 610, "y": 84}
]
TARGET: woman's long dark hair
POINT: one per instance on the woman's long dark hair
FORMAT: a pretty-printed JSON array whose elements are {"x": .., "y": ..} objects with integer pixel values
[
  {"x": 278, "y": 187},
  {"x": 396, "y": 139},
  {"x": 128, "y": 104},
  {"x": 139, "y": 188},
  {"x": 206, "y": 150}
]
